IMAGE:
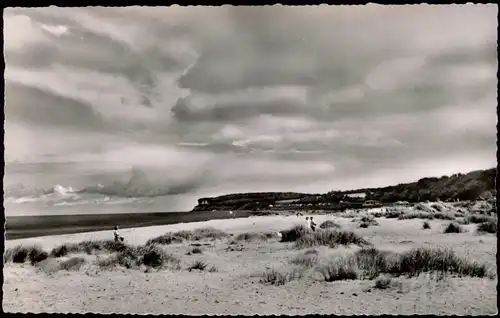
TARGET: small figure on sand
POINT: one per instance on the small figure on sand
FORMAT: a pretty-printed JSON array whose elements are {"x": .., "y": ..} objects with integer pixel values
[
  {"x": 313, "y": 224},
  {"x": 310, "y": 223},
  {"x": 118, "y": 238}
]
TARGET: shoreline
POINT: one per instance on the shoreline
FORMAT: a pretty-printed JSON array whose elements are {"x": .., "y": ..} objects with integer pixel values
[{"x": 21, "y": 227}]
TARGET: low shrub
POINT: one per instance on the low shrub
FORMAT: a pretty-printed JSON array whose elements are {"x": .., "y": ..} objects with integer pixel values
[
  {"x": 126, "y": 258},
  {"x": 329, "y": 224},
  {"x": 72, "y": 264},
  {"x": 444, "y": 216},
  {"x": 294, "y": 233},
  {"x": 330, "y": 238},
  {"x": 416, "y": 215},
  {"x": 306, "y": 260},
  {"x": 427, "y": 215},
  {"x": 154, "y": 257},
  {"x": 133, "y": 257},
  {"x": 199, "y": 265},
  {"x": 453, "y": 228},
  {"x": 342, "y": 268},
  {"x": 383, "y": 282},
  {"x": 37, "y": 255},
  {"x": 426, "y": 225},
  {"x": 311, "y": 252},
  {"x": 208, "y": 233},
  {"x": 213, "y": 269},
  {"x": 279, "y": 277},
  {"x": 255, "y": 236},
  {"x": 165, "y": 239},
  {"x": 60, "y": 251},
  {"x": 88, "y": 247},
  {"x": 419, "y": 260},
  {"x": 195, "y": 250},
  {"x": 488, "y": 227},
  {"x": 184, "y": 234},
  {"x": 21, "y": 254},
  {"x": 478, "y": 218},
  {"x": 393, "y": 214},
  {"x": 367, "y": 221},
  {"x": 371, "y": 261}
]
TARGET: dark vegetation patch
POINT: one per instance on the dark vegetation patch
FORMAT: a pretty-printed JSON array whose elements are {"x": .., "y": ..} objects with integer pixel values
[
  {"x": 453, "y": 228},
  {"x": 488, "y": 227}
]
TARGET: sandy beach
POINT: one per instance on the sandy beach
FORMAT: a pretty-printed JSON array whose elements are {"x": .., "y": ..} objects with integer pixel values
[{"x": 235, "y": 286}]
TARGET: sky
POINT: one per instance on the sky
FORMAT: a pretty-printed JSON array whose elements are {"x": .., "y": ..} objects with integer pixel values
[{"x": 213, "y": 100}]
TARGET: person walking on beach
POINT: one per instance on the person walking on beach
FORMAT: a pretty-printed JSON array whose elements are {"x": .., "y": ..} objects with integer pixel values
[
  {"x": 313, "y": 225},
  {"x": 308, "y": 222},
  {"x": 118, "y": 238}
]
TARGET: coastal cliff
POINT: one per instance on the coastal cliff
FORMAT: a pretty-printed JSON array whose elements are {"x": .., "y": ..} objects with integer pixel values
[{"x": 475, "y": 185}]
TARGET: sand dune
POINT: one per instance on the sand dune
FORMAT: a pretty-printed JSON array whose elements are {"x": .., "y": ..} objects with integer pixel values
[{"x": 235, "y": 286}]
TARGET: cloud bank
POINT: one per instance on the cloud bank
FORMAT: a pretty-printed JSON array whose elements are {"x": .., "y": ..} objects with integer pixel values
[{"x": 249, "y": 98}]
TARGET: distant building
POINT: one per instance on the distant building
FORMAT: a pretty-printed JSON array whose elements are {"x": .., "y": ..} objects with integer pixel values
[
  {"x": 402, "y": 203},
  {"x": 361, "y": 195},
  {"x": 372, "y": 202},
  {"x": 203, "y": 202}
]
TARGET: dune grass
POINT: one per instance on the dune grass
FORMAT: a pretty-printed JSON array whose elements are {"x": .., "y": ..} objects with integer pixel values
[
  {"x": 330, "y": 238},
  {"x": 488, "y": 227},
  {"x": 194, "y": 235},
  {"x": 367, "y": 221},
  {"x": 203, "y": 233},
  {"x": 342, "y": 268},
  {"x": 305, "y": 238},
  {"x": 418, "y": 260},
  {"x": 280, "y": 276},
  {"x": 329, "y": 224},
  {"x": 255, "y": 236},
  {"x": 427, "y": 215},
  {"x": 72, "y": 264},
  {"x": 88, "y": 247},
  {"x": 393, "y": 214},
  {"x": 478, "y": 218},
  {"x": 199, "y": 265},
  {"x": 426, "y": 225},
  {"x": 383, "y": 282},
  {"x": 370, "y": 263},
  {"x": 22, "y": 253},
  {"x": 294, "y": 233},
  {"x": 165, "y": 239},
  {"x": 150, "y": 256},
  {"x": 305, "y": 259}
]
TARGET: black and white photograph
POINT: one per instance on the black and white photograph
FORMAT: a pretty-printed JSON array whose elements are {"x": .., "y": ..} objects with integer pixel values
[{"x": 251, "y": 160}]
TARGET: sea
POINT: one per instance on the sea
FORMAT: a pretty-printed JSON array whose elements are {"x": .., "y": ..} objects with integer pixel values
[{"x": 34, "y": 210}]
